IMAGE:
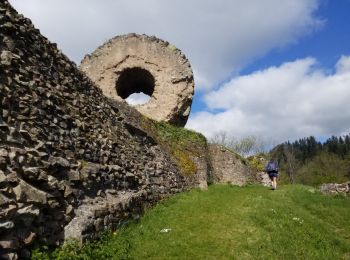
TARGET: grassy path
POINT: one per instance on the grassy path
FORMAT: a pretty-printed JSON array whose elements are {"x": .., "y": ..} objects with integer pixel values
[{"x": 228, "y": 222}]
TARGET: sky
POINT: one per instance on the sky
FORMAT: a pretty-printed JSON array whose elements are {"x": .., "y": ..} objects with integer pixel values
[{"x": 275, "y": 69}]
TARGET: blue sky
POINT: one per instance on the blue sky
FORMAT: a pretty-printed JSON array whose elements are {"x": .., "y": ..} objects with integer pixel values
[
  {"x": 275, "y": 69},
  {"x": 327, "y": 44}
]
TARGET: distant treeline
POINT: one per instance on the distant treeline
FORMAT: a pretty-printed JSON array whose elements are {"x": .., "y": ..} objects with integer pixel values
[
  {"x": 307, "y": 148},
  {"x": 311, "y": 162}
]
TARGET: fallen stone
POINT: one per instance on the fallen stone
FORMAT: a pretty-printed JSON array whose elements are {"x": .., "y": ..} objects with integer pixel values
[{"x": 335, "y": 188}]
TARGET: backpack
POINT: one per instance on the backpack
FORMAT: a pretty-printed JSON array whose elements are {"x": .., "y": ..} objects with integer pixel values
[{"x": 271, "y": 167}]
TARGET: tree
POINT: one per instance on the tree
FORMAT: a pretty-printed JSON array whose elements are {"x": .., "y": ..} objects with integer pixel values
[
  {"x": 291, "y": 162},
  {"x": 221, "y": 138},
  {"x": 246, "y": 146}
]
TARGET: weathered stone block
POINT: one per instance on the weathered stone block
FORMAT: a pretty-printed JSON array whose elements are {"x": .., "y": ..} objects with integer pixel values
[
  {"x": 138, "y": 63},
  {"x": 28, "y": 193}
]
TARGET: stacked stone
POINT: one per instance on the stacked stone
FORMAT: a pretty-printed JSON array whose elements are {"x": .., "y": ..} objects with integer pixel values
[
  {"x": 228, "y": 167},
  {"x": 335, "y": 188},
  {"x": 72, "y": 162}
]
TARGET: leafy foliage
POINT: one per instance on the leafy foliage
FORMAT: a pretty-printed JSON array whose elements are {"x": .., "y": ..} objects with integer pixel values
[
  {"x": 246, "y": 146},
  {"x": 258, "y": 161},
  {"x": 324, "y": 168},
  {"x": 310, "y": 162}
]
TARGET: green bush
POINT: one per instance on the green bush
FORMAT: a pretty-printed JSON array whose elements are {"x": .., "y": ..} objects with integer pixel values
[
  {"x": 258, "y": 161},
  {"x": 324, "y": 168}
]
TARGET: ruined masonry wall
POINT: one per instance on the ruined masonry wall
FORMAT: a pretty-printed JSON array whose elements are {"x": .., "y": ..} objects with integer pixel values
[
  {"x": 228, "y": 167},
  {"x": 72, "y": 162}
]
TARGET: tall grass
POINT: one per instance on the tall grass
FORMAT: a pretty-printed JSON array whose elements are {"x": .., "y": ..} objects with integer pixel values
[{"x": 229, "y": 222}]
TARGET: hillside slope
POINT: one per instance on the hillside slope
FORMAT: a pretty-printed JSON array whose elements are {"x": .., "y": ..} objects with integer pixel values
[{"x": 230, "y": 222}]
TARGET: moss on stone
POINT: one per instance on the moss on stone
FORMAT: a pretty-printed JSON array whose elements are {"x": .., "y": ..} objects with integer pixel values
[
  {"x": 257, "y": 161},
  {"x": 182, "y": 143},
  {"x": 185, "y": 162}
]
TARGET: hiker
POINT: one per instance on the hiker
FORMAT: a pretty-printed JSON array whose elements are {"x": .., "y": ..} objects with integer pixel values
[{"x": 272, "y": 170}]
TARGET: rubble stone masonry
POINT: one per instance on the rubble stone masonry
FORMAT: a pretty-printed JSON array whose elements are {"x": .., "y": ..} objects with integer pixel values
[{"x": 72, "y": 162}]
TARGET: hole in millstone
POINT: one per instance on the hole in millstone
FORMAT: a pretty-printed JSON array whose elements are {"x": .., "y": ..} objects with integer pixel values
[
  {"x": 137, "y": 99},
  {"x": 135, "y": 85}
]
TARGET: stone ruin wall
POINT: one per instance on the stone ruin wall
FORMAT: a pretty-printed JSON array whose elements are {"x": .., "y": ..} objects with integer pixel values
[
  {"x": 228, "y": 167},
  {"x": 138, "y": 63},
  {"x": 335, "y": 188},
  {"x": 72, "y": 162}
]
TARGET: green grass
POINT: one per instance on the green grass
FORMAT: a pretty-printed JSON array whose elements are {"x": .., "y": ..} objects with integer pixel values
[
  {"x": 229, "y": 222},
  {"x": 178, "y": 135}
]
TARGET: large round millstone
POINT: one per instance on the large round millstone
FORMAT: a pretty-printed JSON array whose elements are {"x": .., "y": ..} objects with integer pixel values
[{"x": 134, "y": 63}]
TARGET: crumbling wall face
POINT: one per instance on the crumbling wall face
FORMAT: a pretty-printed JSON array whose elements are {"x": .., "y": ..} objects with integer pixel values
[
  {"x": 202, "y": 161},
  {"x": 151, "y": 66},
  {"x": 228, "y": 167},
  {"x": 72, "y": 162}
]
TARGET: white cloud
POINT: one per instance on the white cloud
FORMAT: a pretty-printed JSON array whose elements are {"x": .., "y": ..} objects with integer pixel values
[
  {"x": 219, "y": 37},
  {"x": 137, "y": 99},
  {"x": 294, "y": 100},
  {"x": 343, "y": 65}
]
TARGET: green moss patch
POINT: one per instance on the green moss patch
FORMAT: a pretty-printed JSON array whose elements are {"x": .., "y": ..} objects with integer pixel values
[
  {"x": 182, "y": 143},
  {"x": 258, "y": 161}
]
